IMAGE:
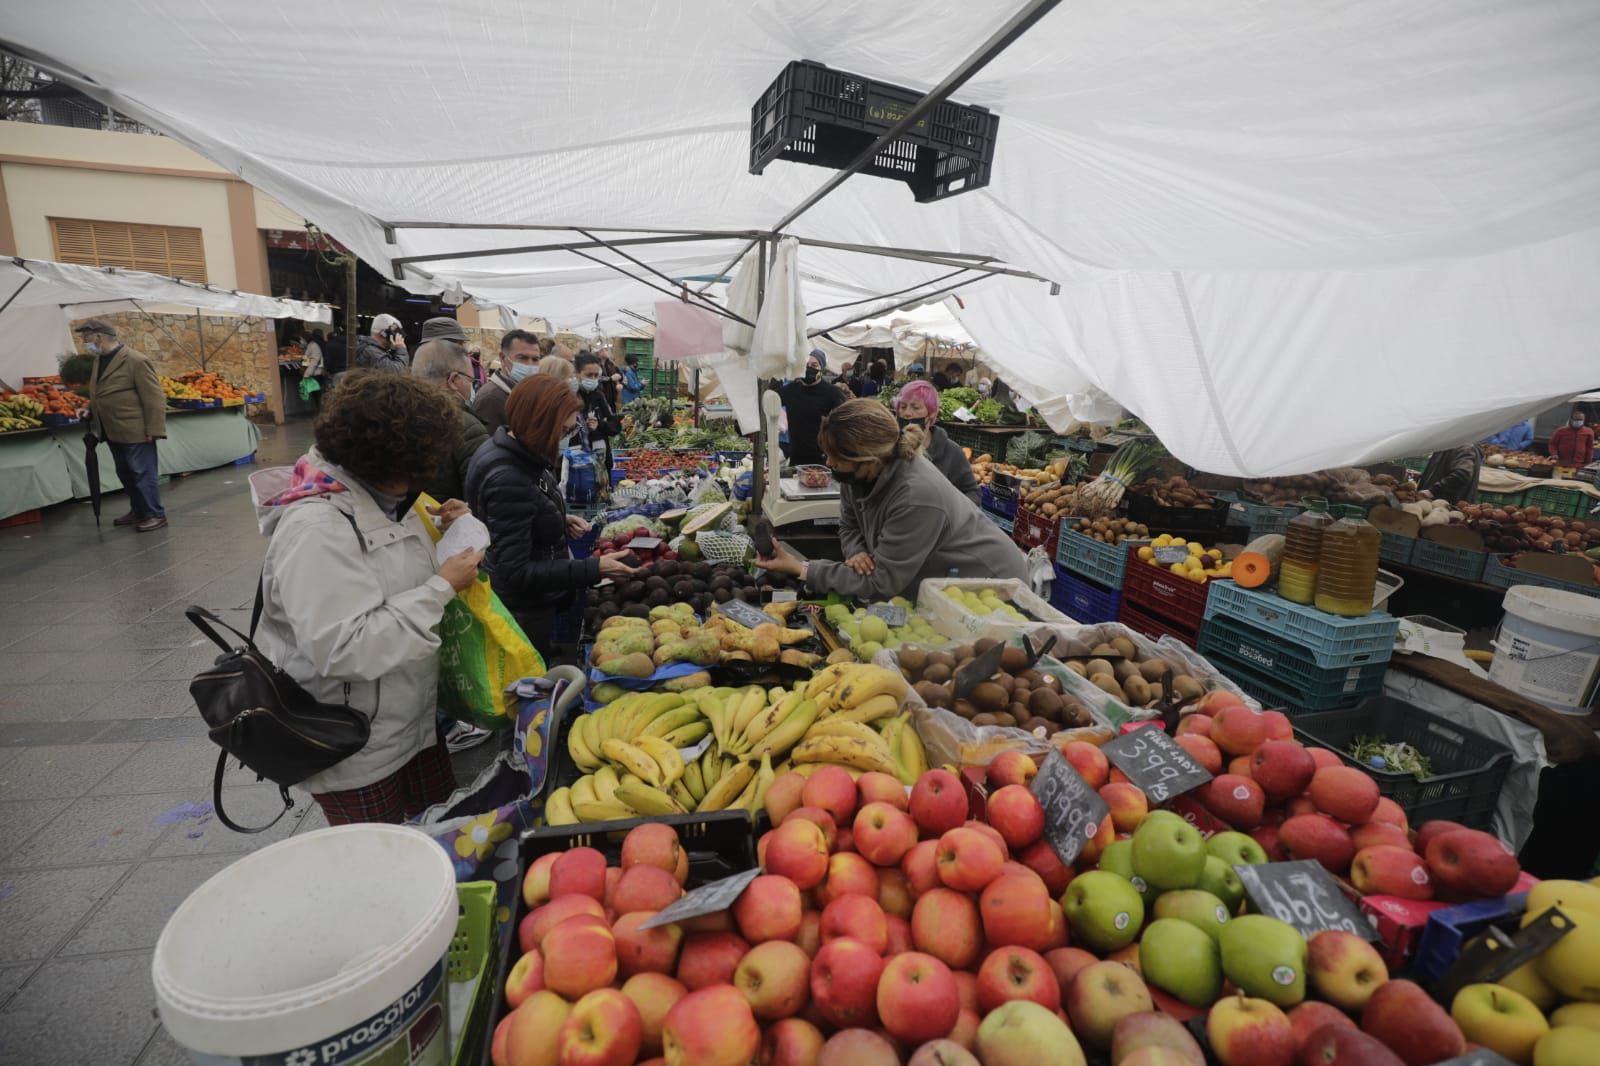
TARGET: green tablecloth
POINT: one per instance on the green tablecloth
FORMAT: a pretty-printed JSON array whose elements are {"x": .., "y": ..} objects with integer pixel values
[
  {"x": 45, "y": 467},
  {"x": 33, "y": 472}
]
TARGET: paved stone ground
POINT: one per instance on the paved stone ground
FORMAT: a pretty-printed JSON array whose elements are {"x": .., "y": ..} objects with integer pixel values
[{"x": 105, "y": 769}]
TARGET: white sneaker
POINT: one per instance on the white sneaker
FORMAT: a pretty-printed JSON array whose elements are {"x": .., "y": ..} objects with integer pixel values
[{"x": 461, "y": 736}]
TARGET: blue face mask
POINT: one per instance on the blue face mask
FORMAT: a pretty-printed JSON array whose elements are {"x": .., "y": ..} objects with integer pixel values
[
  {"x": 518, "y": 371},
  {"x": 93, "y": 347},
  {"x": 588, "y": 384}
]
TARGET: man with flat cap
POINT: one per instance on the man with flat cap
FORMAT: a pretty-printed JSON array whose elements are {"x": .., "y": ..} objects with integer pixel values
[{"x": 127, "y": 410}]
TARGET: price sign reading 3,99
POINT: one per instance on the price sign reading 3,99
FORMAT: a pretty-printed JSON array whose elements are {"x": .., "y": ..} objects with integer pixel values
[
  {"x": 1072, "y": 810},
  {"x": 1302, "y": 894},
  {"x": 1156, "y": 764}
]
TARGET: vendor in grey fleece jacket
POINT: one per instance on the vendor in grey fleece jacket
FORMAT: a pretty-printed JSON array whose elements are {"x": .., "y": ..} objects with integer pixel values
[
  {"x": 900, "y": 519},
  {"x": 917, "y": 404}
]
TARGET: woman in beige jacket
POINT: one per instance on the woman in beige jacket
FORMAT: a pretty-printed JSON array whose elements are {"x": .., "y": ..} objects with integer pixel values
[{"x": 351, "y": 597}]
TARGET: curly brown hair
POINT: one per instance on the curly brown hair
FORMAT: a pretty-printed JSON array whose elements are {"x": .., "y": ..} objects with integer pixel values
[{"x": 386, "y": 428}]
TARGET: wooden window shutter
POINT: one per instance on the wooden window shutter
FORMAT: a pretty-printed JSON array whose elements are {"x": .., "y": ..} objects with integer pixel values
[{"x": 177, "y": 251}]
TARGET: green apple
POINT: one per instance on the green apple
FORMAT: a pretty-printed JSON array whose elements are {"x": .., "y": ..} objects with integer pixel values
[
  {"x": 1199, "y": 908},
  {"x": 874, "y": 628},
  {"x": 1159, "y": 814},
  {"x": 1236, "y": 849},
  {"x": 1265, "y": 958},
  {"x": 1501, "y": 1020},
  {"x": 1103, "y": 909},
  {"x": 1219, "y": 879},
  {"x": 1118, "y": 858},
  {"x": 1181, "y": 959},
  {"x": 1168, "y": 853}
]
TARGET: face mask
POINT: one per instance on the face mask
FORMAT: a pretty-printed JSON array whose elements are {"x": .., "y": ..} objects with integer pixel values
[
  {"x": 572, "y": 383},
  {"x": 905, "y": 423},
  {"x": 983, "y": 390},
  {"x": 518, "y": 371},
  {"x": 812, "y": 373},
  {"x": 852, "y": 480},
  {"x": 588, "y": 384},
  {"x": 1576, "y": 423},
  {"x": 93, "y": 347}
]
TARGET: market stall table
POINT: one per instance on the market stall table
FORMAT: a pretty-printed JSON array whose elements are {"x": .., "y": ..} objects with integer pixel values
[{"x": 46, "y": 466}]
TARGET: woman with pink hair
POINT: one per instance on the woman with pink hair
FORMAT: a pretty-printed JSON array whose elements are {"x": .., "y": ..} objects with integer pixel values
[{"x": 917, "y": 404}]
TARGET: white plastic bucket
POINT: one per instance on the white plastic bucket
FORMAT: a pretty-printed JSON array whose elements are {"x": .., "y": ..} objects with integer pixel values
[
  {"x": 326, "y": 949},
  {"x": 1549, "y": 647}
]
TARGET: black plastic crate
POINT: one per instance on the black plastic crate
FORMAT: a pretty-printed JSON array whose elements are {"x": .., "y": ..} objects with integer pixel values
[
  {"x": 1146, "y": 511},
  {"x": 719, "y": 844},
  {"x": 1469, "y": 768},
  {"x": 814, "y": 114}
]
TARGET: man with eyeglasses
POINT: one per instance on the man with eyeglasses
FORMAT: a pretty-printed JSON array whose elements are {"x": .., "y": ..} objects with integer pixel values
[
  {"x": 446, "y": 364},
  {"x": 519, "y": 357}
]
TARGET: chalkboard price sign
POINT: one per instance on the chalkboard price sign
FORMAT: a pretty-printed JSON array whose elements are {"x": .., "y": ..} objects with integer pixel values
[
  {"x": 1302, "y": 894},
  {"x": 892, "y": 613},
  {"x": 1155, "y": 763},
  {"x": 1072, "y": 810},
  {"x": 1168, "y": 556},
  {"x": 746, "y": 614},
  {"x": 707, "y": 899}
]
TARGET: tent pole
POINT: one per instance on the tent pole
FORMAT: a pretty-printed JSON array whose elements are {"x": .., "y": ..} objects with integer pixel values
[
  {"x": 200, "y": 335},
  {"x": 399, "y": 262},
  {"x": 25, "y": 283},
  {"x": 712, "y": 307},
  {"x": 683, "y": 295},
  {"x": 758, "y": 469},
  {"x": 985, "y": 264},
  {"x": 876, "y": 311}
]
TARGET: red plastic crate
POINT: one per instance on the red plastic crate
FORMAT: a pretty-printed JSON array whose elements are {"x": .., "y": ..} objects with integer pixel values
[
  {"x": 1158, "y": 591},
  {"x": 1035, "y": 530},
  {"x": 25, "y": 518},
  {"x": 1154, "y": 626}
]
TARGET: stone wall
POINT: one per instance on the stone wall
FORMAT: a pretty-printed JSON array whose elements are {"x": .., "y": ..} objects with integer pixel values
[
  {"x": 248, "y": 358},
  {"x": 487, "y": 341}
]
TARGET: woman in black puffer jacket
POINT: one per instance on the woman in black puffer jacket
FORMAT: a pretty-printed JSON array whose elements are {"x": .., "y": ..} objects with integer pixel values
[{"x": 514, "y": 486}]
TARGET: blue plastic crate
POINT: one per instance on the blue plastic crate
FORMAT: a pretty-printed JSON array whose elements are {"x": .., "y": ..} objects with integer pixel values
[
  {"x": 1280, "y": 693},
  {"x": 1462, "y": 563},
  {"x": 1396, "y": 548},
  {"x": 1449, "y": 928},
  {"x": 1290, "y": 663},
  {"x": 1007, "y": 525},
  {"x": 1082, "y": 600},
  {"x": 997, "y": 502},
  {"x": 1104, "y": 564},
  {"x": 1331, "y": 639},
  {"x": 1262, "y": 518},
  {"x": 1498, "y": 574}
]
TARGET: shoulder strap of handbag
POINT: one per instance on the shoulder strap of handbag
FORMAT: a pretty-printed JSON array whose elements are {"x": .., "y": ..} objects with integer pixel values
[{"x": 199, "y": 616}]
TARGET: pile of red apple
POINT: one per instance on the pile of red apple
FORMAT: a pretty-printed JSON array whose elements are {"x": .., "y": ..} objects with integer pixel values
[{"x": 1306, "y": 803}]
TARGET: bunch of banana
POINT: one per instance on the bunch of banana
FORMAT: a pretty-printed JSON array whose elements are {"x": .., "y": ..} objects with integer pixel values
[
  {"x": 666, "y": 716},
  {"x": 18, "y": 412}
]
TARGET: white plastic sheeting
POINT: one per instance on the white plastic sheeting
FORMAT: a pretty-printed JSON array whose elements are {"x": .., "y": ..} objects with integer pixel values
[
  {"x": 41, "y": 299},
  {"x": 1289, "y": 236}
]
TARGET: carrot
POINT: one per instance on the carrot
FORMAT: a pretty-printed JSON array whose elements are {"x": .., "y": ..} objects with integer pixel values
[{"x": 1257, "y": 564}]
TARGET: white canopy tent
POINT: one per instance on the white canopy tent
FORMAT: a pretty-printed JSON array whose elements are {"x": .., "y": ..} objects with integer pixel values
[
  {"x": 40, "y": 299},
  {"x": 1288, "y": 237}
]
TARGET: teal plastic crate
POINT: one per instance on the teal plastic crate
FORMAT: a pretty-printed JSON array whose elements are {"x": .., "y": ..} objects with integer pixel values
[
  {"x": 1275, "y": 692},
  {"x": 1500, "y": 499},
  {"x": 1262, "y": 518},
  {"x": 1290, "y": 663},
  {"x": 1007, "y": 525},
  {"x": 1462, "y": 563},
  {"x": 1102, "y": 563},
  {"x": 643, "y": 347},
  {"x": 1561, "y": 503},
  {"x": 1330, "y": 639},
  {"x": 1500, "y": 575},
  {"x": 1397, "y": 548}
]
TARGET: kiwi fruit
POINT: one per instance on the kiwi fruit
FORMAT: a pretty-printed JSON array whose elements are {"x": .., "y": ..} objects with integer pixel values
[
  {"x": 1073, "y": 714},
  {"x": 988, "y": 696},
  {"x": 1152, "y": 669},
  {"x": 983, "y": 719},
  {"x": 983, "y": 644},
  {"x": 1124, "y": 646},
  {"x": 1046, "y": 702},
  {"x": 1107, "y": 650},
  {"x": 1138, "y": 689},
  {"x": 941, "y": 658},
  {"x": 1187, "y": 688},
  {"x": 1033, "y": 677},
  {"x": 913, "y": 659},
  {"x": 961, "y": 652},
  {"x": 1039, "y": 725},
  {"x": 1020, "y": 693},
  {"x": 1004, "y": 718},
  {"x": 1095, "y": 667},
  {"x": 1005, "y": 681},
  {"x": 938, "y": 673},
  {"x": 1076, "y": 667},
  {"x": 1019, "y": 711},
  {"x": 1124, "y": 669},
  {"x": 1108, "y": 684},
  {"x": 964, "y": 708},
  {"x": 1013, "y": 659},
  {"x": 932, "y": 694}
]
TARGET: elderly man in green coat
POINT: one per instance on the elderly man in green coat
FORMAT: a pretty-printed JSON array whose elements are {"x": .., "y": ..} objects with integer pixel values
[{"x": 127, "y": 410}]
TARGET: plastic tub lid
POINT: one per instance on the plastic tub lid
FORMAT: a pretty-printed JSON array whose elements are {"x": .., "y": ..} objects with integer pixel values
[{"x": 1570, "y": 612}]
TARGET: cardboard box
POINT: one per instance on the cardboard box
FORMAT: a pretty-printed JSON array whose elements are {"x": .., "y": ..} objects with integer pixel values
[{"x": 1399, "y": 923}]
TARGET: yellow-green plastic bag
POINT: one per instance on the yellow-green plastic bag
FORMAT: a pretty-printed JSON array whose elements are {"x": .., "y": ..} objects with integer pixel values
[{"x": 482, "y": 653}]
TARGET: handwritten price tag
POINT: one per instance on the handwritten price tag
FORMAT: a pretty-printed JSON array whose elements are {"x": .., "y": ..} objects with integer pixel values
[
  {"x": 707, "y": 899},
  {"x": 1072, "y": 810},
  {"x": 1302, "y": 894},
  {"x": 1168, "y": 556},
  {"x": 892, "y": 613},
  {"x": 745, "y": 614},
  {"x": 1154, "y": 762}
]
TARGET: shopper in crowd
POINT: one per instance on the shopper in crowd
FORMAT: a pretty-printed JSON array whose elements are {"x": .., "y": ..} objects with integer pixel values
[
  {"x": 632, "y": 387},
  {"x": 900, "y": 519},
  {"x": 313, "y": 362},
  {"x": 351, "y": 596},
  {"x": 519, "y": 358},
  {"x": 600, "y": 419},
  {"x": 948, "y": 378},
  {"x": 384, "y": 347},
  {"x": 1452, "y": 474},
  {"x": 446, "y": 365},
  {"x": 917, "y": 404},
  {"x": 1514, "y": 438},
  {"x": 127, "y": 410},
  {"x": 1573, "y": 443},
  {"x": 806, "y": 402},
  {"x": 514, "y": 488},
  {"x": 443, "y": 328},
  {"x": 336, "y": 355},
  {"x": 984, "y": 386},
  {"x": 611, "y": 382}
]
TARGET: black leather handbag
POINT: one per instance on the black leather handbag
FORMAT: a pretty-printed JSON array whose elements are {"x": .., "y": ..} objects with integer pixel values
[{"x": 261, "y": 716}]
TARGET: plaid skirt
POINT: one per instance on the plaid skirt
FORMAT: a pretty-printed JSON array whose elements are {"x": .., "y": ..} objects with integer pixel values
[{"x": 427, "y": 779}]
